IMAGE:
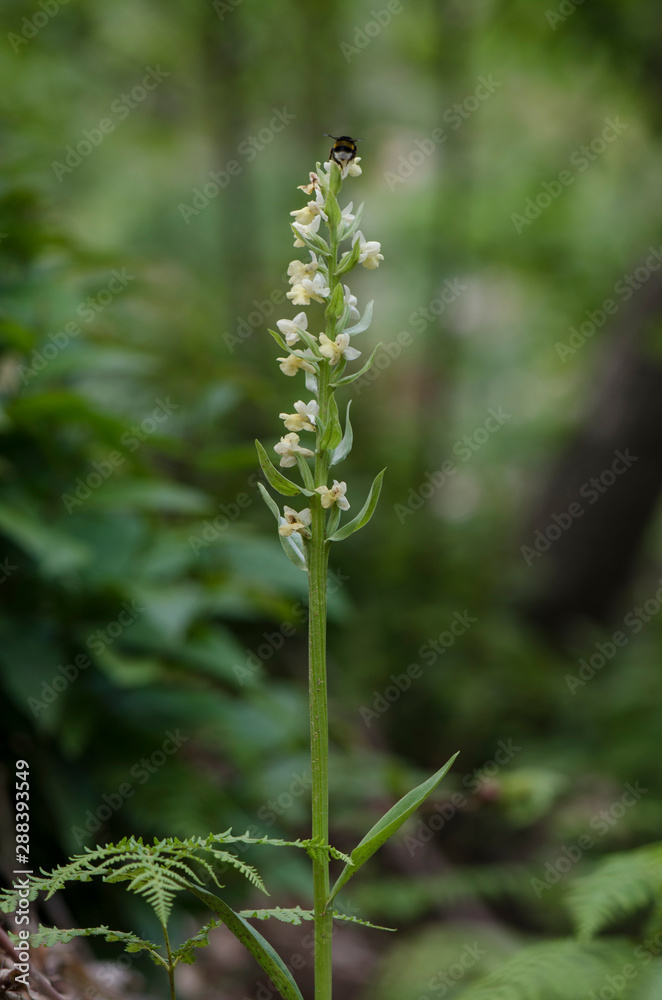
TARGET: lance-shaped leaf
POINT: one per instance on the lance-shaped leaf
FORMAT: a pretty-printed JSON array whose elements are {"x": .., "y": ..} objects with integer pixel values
[
  {"x": 388, "y": 825},
  {"x": 275, "y": 478},
  {"x": 253, "y": 941},
  {"x": 349, "y": 260},
  {"x": 363, "y": 323},
  {"x": 332, "y": 210},
  {"x": 332, "y": 433},
  {"x": 279, "y": 340},
  {"x": 345, "y": 446},
  {"x": 336, "y": 304},
  {"x": 270, "y": 502},
  {"x": 350, "y": 378},
  {"x": 364, "y": 514}
]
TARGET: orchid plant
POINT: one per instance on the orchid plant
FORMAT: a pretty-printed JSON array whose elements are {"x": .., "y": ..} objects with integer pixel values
[{"x": 307, "y": 534}]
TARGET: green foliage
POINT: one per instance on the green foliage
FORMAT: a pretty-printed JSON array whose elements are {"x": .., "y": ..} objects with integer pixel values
[
  {"x": 557, "y": 970},
  {"x": 388, "y": 825},
  {"x": 620, "y": 885}
]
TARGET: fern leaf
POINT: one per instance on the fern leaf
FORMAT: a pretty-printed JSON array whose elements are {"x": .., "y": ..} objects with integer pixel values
[
  {"x": 48, "y": 936},
  {"x": 620, "y": 885},
  {"x": 295, "y": 915},
  {"x": 557, "y": 970},
  {"x": 186, "y": 951}
]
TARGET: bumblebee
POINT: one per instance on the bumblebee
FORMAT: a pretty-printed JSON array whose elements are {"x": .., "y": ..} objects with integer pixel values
[{"x": 343, "y": 150}]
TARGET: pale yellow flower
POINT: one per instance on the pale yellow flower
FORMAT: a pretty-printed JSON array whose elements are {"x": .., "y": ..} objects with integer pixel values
[
  {"x": 295, "y": 521},
  {"x": 292, "y": 364},
  {"x": 304, "y": 418},
  {"x": 290, "y": 328},
  {"x": 306, "y": 290},
  {"x": 334, "y": 495},
  {"x": 288, "y": 448},
  {"x": 369, "y": 255},
  {"x": 336, "y": 349}
]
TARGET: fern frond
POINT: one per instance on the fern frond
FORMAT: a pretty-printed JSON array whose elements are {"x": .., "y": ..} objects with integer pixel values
[
  {"x": 620, "y": 885},
  {"x": 557, "y": 970},
  {"x": 186, "y": 951},
  {"x": 48, "y": 936},
  {"x": 157, "y": 871},
  {"x": 295, "y": 915}
]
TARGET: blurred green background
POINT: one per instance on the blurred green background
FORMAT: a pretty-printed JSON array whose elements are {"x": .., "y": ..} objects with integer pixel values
[{"x": 511, "y": 160}]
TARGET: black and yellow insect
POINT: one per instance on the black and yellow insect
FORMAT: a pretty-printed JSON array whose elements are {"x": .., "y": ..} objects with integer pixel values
[{"x": 343, "y": 150}]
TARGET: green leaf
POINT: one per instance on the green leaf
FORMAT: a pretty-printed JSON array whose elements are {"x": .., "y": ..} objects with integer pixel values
[
  {"x": 279, "y": 340},
  {"x": 336, "y": 304},
  {"x": 388, "y": 825},
  {"x": 620, "y": 885},
  {"x": 332, "y": 434},
  {"x": 345, "y": 446},
  {"x": 274, "y": 477},
  {"x": 253, "y": 941},
  {"x": 364, "y": 514},
  {"x": 351, "y": 378},
  {"x": 270, "y": 502},
  {"x": 349, "y": 260},
  {"x": 332, "y": 209},
  {"x": 364, "y": 322}
]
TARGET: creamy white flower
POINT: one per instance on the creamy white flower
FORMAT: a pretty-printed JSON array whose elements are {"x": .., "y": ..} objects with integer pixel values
[
  {"x": 304, "y": 291},
  {"x": 292, "y": 364},
  {"x": 354, "y": 169},
  {"x": 288, "y": 448},
  {"x": 304, "y": 418},
  {"x": 308, "y": 230},
  {"x": 297, "y": 270},
  {"x": 290, "y": 328},
  {"x": 339, "y": 348},
  {"x": 304, "y": 216},
  {"x": 369, "y": 255},
  {"x": 334, "y": 495},
  {"x": 295, "y": 521},
  {"x": 351, "y": 301}
]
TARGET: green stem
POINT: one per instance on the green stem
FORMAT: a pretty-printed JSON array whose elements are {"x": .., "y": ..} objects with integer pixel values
[
  {"x": 171, "y": 965},
  {"x": 319, "y": 735}
]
